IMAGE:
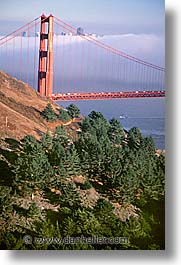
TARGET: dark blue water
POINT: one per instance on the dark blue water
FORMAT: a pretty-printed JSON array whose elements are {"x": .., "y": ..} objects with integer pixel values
[{"x": 146, "y": 114}]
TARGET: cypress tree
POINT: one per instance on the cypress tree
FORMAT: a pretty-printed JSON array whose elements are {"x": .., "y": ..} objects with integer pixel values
[
  {"x": 32, "y": 168},
  {"x": 49, "y": 114},
  {"x": 135, "y": 138},
  {"x": 60, "y": 135},
  {"x": 116, "y": 132},
  {"x": 46, "y": 142},
  {"x": 72, "y": 162},
  {"x": 73, "y": 111},
  {"x": 63, "y": 115}
]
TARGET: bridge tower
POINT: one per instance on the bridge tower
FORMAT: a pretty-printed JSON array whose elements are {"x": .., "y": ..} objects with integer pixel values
[{"x": 45, "y": 70}]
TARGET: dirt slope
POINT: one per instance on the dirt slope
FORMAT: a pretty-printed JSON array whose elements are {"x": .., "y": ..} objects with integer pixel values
[{"x": 20, "y": 108}]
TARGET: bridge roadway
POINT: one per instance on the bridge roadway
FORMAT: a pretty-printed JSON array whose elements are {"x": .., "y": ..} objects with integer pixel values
[{"x": 107, "y": 95}]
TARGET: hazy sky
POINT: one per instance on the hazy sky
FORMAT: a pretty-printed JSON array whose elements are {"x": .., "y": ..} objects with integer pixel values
[{"x": 101, "y": 16}]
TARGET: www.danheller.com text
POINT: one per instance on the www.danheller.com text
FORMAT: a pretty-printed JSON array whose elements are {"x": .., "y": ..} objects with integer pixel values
[{"x": 75, "y": 240}]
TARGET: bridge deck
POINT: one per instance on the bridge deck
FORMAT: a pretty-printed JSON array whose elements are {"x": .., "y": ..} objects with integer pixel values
[{"x": 107, "y": 95}]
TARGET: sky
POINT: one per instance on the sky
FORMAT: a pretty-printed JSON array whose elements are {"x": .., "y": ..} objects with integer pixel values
[{"x": 100, "y": 16}]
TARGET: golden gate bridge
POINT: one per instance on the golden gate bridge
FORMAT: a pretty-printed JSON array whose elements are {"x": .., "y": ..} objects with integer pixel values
[{"x": 48, "y": 54}]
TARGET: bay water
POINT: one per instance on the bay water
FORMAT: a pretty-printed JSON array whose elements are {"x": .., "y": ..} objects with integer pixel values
[{"x": 148, "y": 114}]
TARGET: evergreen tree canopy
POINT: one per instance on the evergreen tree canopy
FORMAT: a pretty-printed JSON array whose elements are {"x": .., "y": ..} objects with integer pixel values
[
  {"x": 99, "y": 124},
  {"x": 63, "y": 115},
  {"x": 49, "y": 114},
  {"x": 94, "y": 115},
  {"x": 118, "y": 189},
  {"x": 29, "y": 142},
  {"x": 32, "y": 168},
  {"x": 73, "y": 111},
  {"x": 60, "y": 135},
  {"x": 149, "y": 145},
  {"x": 57, "y": 154},
  {"x": 46, "y": 142},
  {"x": 116, "y": 132},
  {"x": 86, "y": 126},
  {"x": 135, "y": 138},
  {"x": 72, "y": 162}
]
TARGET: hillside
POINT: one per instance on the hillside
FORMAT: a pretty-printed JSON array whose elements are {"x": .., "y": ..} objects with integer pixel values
[
  {"x": 86, "y": 178},
  {"x": 20, "y": 108}
]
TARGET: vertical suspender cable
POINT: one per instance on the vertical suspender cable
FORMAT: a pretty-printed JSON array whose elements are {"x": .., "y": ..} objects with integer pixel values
[
  {"x": 35, "y": 58},
  {"x": 21, "y": 56}
]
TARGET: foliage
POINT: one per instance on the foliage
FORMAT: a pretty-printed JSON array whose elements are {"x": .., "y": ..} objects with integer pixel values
[
  {"x": 34, "y": 210},
  {"x": 120, "y": 167},
  {"x": 72, "y": 162},
  {"x": 70, "y": 198},
  {"x": 63, "y": 115},
  {"x": 73, "y": 111},
  {"x": 5, "y": 201},
  {"x": 116, "y": 133},
  {"x": 46, "y": 142},
  {"x": 32, "y": 167},
  {"x": 61, "y": 136},
  {"x": 86, "y": 185},
  {"x": 49, "y": 114},
  {"x": 134, "y": 138}
]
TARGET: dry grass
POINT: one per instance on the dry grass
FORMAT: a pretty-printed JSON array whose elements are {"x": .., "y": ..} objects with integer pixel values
[{"x": 20, "y": 109}]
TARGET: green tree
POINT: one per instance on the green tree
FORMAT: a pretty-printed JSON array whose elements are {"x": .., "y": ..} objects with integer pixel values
[
  {"x": 29, "y": 142},
  {"x": 113, "y": 169},
  {"x": 116, "y": 132},
  {"x": 73, "y": 111},
  {"x": 34, "y": 211},
  {"x": 69, "y": 197},
  {"x": 6, "y": 207},
  {"x": 32, "y": 169},
  {"x": 63, "y": 115},
  {"x": 99, "y": 123},
  {"x": 86, "y": 126},
  {"x": 61, "y": 136},
  {"x": 149, "y": 146},
  {"x": 83, "y": 222},
  {"x": 72, "y": 162},
  {"x": 135, "y": 138},
  {"x": 57, "y": 154},
  {"x": 46, "y": 142},
  {"x": 90, "y": 153},
  {"x": 49, "y": 114},
  {"x": 94, "y": 115}
]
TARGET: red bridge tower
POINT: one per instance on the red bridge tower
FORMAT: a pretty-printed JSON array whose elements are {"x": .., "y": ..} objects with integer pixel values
[{"x": 45, "y": 71}]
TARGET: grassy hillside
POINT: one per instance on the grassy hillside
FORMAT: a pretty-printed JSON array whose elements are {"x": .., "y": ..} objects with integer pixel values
[{"x": 21, "y": 107}]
